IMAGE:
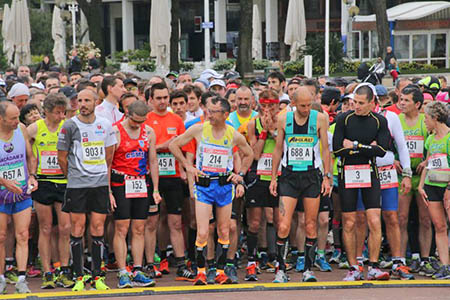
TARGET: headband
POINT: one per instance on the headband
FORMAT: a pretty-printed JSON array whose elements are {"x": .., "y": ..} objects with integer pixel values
[{"x": 269, "y": 101}]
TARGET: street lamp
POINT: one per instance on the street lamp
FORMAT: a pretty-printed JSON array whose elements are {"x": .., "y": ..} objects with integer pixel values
[{"x": 73, "y": 8}]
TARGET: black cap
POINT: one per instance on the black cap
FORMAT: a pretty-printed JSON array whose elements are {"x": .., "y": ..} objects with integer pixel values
[
  {"x": 260, "y": 80},
  {"x": 130, "y": 81},
  {"x": 339, "y": 81},
  {"x": 329, "y": 94},
  {"x": 230, "y": 75},
  {"x": 69, "y": 92}
]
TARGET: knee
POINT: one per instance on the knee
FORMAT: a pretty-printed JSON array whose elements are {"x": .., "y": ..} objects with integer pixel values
[
  {"x": 151, "y": 224},
  {"x": 64, "y": 229},
  {"x": 323, "y": 222},
  {"x": 77, "y": 229},
  {"x": 440, "y": 227},
  {"x": 2, "y": 236},
  {"x": 283, "y": 229},
  {"x": 121, "y": 230},
  {"x": 138, "y": 230},
  {"x": 22, "y": 236},
  {"x": 253, "y": 225},
  {"x": 232, "y": 226},
  {"x": 391, "y": 220},
  {"x": 425, "y": 222},
  {"x": 403, "y": 220},
  {"x": 175, "y": 224},
  {"x": 45, "y": 229},
  {"x": 374, "y": 223},
  {"x": 202, "y": 234},
  {"x": 97, "y": 228},
  {"x": 349, "y": 225}
]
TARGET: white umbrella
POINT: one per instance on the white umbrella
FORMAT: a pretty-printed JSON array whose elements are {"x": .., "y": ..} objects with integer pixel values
[
  {"x": 295, "y": 33},
  {"x": 19, "y": 27},
  {"x": 8, "y": 48},
  {"x": 257, "y": 34},
  {"x": 160, "y": 30},
  {"x": 59, "y": 37}
]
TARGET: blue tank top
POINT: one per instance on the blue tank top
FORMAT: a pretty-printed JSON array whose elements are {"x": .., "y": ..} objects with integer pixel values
[{"x": 13, "y": 166}]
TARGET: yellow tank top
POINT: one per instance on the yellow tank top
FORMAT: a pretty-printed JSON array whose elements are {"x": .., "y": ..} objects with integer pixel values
[{"x": 44, "y": 148}]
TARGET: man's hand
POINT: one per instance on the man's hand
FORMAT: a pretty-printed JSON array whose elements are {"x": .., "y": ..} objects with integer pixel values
[
  {"x": 326, "y": 187},
  {"x": 165, "y": 145},
  {"x": 424, "y": 196},
  {"x": 12, "y": 185},
  {"x": 157, "y": 197},
  {"x": 447, "y": 201},
  {"x": 194, "y": 172},
  {"x": 112, "y": 200},
  {"x": 406, "y": 185},
  {"x": 235, "y": 178},
  {"x": 32, "y": 182},
  {"x": 420, "y": 167},
  {"x": 273, "y": 187},
  {"x": 398, "y": 166},
  {"x": 240, "y": 190},
  {"x": 347, "y": 144}
]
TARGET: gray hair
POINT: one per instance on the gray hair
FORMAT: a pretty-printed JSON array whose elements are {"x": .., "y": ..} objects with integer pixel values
[
  {"x": 138, "y": 108},
  {"x": 437, "y": 110},
  {"x": 3, "y": 107},
  {"x": 54, "y": 100}
]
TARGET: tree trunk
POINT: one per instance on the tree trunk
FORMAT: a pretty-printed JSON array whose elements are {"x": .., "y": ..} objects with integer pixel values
[
  {"x": 175, "y": 36},
  {"x": 379, "y": 6},
  {"x": 244, "y": 63},
  {"x": 282, "y": 17},
  {"x": 92, "y": 11}
]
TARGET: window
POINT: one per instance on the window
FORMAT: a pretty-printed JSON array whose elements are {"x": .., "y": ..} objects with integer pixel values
[
  {"x": 420, "y": 46},
  {"x": 355, "y": 45},
  {"x": 365, "y": 44},
  {"x": 401, "y": 46},
  {"x": 374, "y": 44},
  {"x": 438, "y": 44}
]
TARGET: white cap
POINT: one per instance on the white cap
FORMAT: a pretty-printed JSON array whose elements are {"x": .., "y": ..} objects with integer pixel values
[
  {"x": 208, "y": 73},
  {"x": 19, "y": 89},
  {"x": 217, "y": 82}
]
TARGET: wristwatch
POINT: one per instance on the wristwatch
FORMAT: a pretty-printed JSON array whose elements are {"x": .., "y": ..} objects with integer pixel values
[
  {"x": 241, "y": 174},
  {"x": 355, "y": 145},
  {"x": 328, "y": 175}
]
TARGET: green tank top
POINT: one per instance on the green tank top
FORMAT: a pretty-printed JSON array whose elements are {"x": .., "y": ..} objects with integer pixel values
[
  {"x": 434, "y": 148},
  {"x": 336, "y": 159},
  {"x": 415, "y": 137},
  {"x": 44, "y": 148},
  {"x": 264, "y": 163}
]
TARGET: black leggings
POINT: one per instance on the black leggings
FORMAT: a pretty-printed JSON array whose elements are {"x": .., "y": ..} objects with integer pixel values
[{"x": 349, "y": 197}]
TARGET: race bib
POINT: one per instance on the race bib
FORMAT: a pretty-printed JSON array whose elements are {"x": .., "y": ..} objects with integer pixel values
[
  {"x": 388, "y": 177},
  {"x": 300, "y": 155},
  {"x": 93, "y": 153},
  {"x": 13, "y": 172},
  {"x": 357, "y": 176},
  {"x": 49, "y": 163},
  {"x": 215, "y": 160},
  {"x": 166, "y": 164},
  {"x": 265, "y": 165},
  {"x": 135, "y": 187},
  {"x": 437, "y": 161},
  {"x": 415, "y": 146}
]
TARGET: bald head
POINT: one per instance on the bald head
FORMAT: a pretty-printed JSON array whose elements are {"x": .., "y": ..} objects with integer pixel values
[
  {"x": 6, "y": 106},
  {"x": 303, "y": 94}
]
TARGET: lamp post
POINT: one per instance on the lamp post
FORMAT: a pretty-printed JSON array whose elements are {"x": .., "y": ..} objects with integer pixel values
[
  {"x": 207, "y": 37},
  {"x": 73, "y": 8},
  {"x": 327, "y": 37}
]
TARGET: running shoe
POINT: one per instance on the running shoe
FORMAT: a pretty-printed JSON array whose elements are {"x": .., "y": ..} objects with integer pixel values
[
  {"x": 33, "y": 272},
  {"x": 231, "y": 272},
  {"x": 79, "y": 285},
  {"x": 183, "y": 274},
  {"x": 192, "y": 266},
  {"x": 435, "y": 263},
  {"x": 22, "y": 287},
  {"x": 164, "y": 266},
  {"x": 414, "y": 266},
  {"x": 99, "y": 284},
  {"x": 385, "y": 263},
  {"x": 280, "y": 277},
  {"x": 200, "y": 279},
  {"x": 292, "y": 257},
  {"x": 322, "y": 264},
  {"x": 48, "y": 281},
  {"x": 251, "y": 273},
  {"x": 153, "y": 271},
  {"x": 11, "y": 275},
  {"x": 124, "y": 281},
  {"x": 377, "y": 274},
  {"x": 336, "y": 257},
  {"x": 211, "y": 275},
  {"x": 308, "y": 276},
  {"x": 2, "y": 286},
  {"x": 442, "y": 273},
  {"x": 64, "y": 279},
  {"x": 300, "y": 265},
  {"x": 343, "y": 264},
  {"x": 353, "y": 275},
  {"x": 271, "y": 266},
  {"x": 263, "y": 260},
  {"x": 402, "y": 272},
  {"x": 222, "y": 278},
  {"x": 365, "y": 254},
  {"x": 112, "y": 267},
  {"x": 139, "y": 278},
  {"x": 427, "y": 269}
]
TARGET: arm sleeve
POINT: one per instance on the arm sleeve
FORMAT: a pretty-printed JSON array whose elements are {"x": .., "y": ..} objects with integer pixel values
[
  {"x": 64, "y": 137},
  {"x": 383, "y": 139},
  {"x": 338, "y": 139},
  {"x": 399, "y": 138}
]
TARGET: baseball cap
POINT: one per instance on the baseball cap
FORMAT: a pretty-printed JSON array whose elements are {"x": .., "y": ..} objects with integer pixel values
[
  {"x": 130, "y": 81},
  {"x": 172, "y": 73},
  {"x": 19, "y": 89},
  {"x": 68, "y": 91},
  {"x": 232, "y": 75},
  {"x": 217, "y": 82},
  {"x": 443, "y": 97},
  {"x": 260, "y": 80},
  {"x": 381, "y": 90},
  {"x": 331, "y": 93}
]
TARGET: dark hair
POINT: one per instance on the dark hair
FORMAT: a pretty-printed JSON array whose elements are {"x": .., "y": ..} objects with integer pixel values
[
  {"x": 417, "y": 95},
  {"x": 84, "y": 83},
  {"x": 128, "y": 95},
  {"x": 192, "y": 89},
  {"x": 394, "y": 96},
  {"x": 138, "y": 108},
  {"x": 223, "y": 103},
  {"x": 311, "y": 82},
  {"x": 75, "y": 73},
  {"x": 25, "y": 111},
  {"x": 366, "y": 91},
  {"x": 178, "y": 94},
  {"x": 277, "y": 75},
  {"x": 108, "y": 81},
  {"x": 205, "y": 97},
  {"x": 53, "y": 88},
  {"x": 53, "y": 100},
  {"x": 268, "y": 94},
  {"x": 151, "y": 91},
  {"x": 53, "y": 75},
  {"x": 230, "y": 92}
]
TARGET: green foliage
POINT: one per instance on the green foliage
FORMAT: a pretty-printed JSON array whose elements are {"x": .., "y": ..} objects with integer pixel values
[
  {"x": 414, "y": 66},
  {"x": 293, "y": 67},
  {"x": 261, "y": 64},
  {"x": 144, "y": 66},
  {"x": 350, "y": 66},
  {"x": 186, "y": 66},
  {"x": 41, "y": 32},
  {"x": 315, "y": 47},
  {"x": 132, "y": 55},
  {"x": 113, "y": 64},
  {"x": 222, "y": 65},
  {"x": 36, "y": 59},
  {"x": 84, "y": 50},
  {"x": 3, "y": 59}
]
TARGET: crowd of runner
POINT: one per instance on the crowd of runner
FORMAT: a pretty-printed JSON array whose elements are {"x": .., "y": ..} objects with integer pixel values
[{"x": 113, "y": 173}]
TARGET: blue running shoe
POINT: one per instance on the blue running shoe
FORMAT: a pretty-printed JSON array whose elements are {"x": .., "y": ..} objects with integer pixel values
[
  {"x": 308, "y": 276},
  {"x": 124, "y": 282},
  {"x": 141, "y": 279},
  {"x": 300, "y": 266},
  {"x": 336, "y": 257},
  {"x": 322, "y": 264}
]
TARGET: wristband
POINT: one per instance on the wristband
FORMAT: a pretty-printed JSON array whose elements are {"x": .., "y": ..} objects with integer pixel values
[
  {"x": 34, "y": 175},
  {"x": 263, "y": 135},
  {"x": 407, "y": 172},
  {"x": 156, "y": 192}
]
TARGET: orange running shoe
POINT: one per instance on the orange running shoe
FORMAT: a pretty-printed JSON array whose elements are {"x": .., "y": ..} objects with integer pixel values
[
  {"x": 200, "y": 279},
  {"x": 164, "y": 266},
  {"x": 222, "y": 278}
]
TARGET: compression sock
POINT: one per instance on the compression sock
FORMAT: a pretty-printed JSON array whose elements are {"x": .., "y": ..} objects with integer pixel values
[
  {"x": 310, "y": 252},
  {"x": 224, "y": 245},
  {"x": 282, "y": 245},
  {"x": 97, "y": 247},
  {"x": 252, "y": 241},
  {"x": 271, "y": 235},
  {"x": 192, "y": 235},
  {"x": 200, "y": 248},
  {"x": 76, "y": 245}
]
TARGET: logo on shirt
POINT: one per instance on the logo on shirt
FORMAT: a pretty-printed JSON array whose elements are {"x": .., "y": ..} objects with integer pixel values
[
  {"x": 225, "y": 142},
  {"x": 8, "y": 147},
  {"x": 99, "y": 126},
  {"x": 84, "y": 134},
  {"x": 141, "y": 143},
  {"x": 171, "y": 130},
  {"x": 85, "y": 140}
]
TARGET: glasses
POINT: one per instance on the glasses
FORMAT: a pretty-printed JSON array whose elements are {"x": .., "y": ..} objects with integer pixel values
[
  {"x": 132, "y": 88},
  {"x": 211, "y": 111}
]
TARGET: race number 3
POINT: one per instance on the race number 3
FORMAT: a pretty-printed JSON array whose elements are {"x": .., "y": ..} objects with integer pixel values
[{"x": 357, "y": 176}]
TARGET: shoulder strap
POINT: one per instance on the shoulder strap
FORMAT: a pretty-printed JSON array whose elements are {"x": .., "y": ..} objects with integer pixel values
[
  {"x": 258, "y": 126},
  {"x": 289, "y": 126},
  {"x": 312, "y": 123},
  {"x": 234, "y": 119}
]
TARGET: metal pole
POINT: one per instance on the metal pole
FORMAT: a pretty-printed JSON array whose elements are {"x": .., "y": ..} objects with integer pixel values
[
  {"x": 207, "y": 37},
  {"x": 327, "y": 37},
  {"x": 73, "y": 9}
]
